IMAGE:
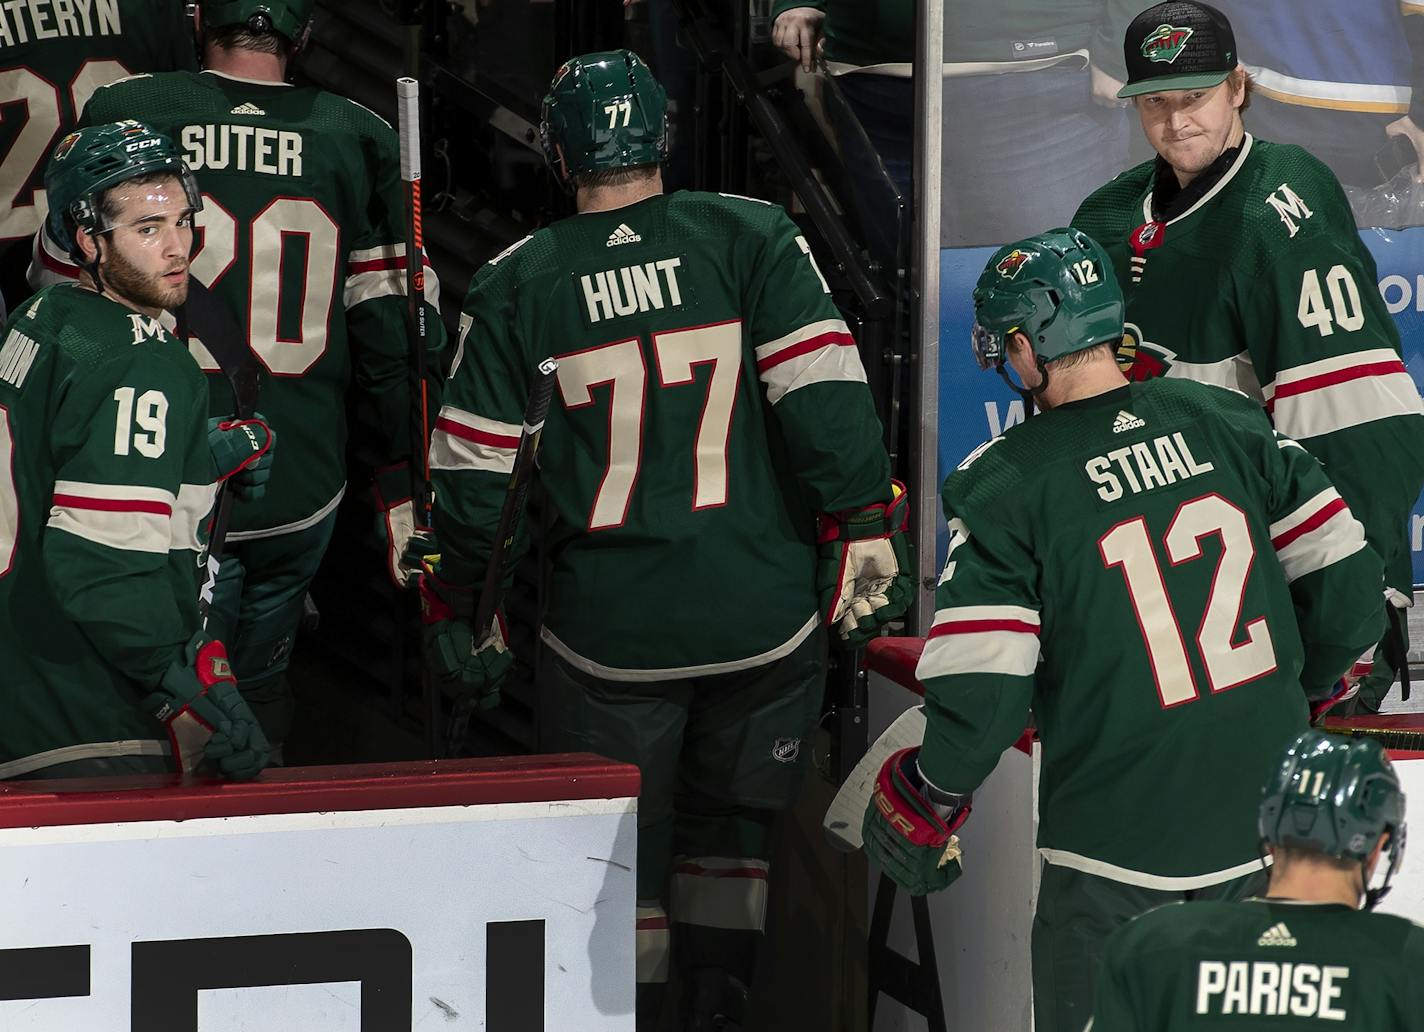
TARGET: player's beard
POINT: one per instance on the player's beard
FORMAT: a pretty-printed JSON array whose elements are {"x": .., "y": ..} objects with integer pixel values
[{"x": 146, "y": 290}]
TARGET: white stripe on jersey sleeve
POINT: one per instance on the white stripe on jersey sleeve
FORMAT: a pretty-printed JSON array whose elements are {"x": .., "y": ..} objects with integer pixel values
[
  {"x": 126, "y": 517},
  {"x": 1317, "y": 534},
  {"x": 818, "y": 352},
  {"x": 464, "y": 441},
  {"x": 380, "y": 272}
]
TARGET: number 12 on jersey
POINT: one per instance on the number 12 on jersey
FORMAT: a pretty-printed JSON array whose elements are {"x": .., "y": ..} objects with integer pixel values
[
  {"x": 621, "y": 367},
  {"x": 1129, "y": 547}
]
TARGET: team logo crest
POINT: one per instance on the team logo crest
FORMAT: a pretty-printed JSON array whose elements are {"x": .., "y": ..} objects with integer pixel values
[
  {"x": 65, "y": 146},
  {"x": 1140, "y": 360},
  {"x": 1164, "y": 43},
  {"x": 786, "y": 750},
  {"x": 1012, "y": 263}
]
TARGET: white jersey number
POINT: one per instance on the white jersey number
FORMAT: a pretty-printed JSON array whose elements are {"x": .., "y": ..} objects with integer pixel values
[
  {"x": 32, "y": 143},
  {"x": 1344, "y": 309},
  {"x": 290, "y": 229},
  {"x": 9, "y": 498},
  {"x": 621, "y": 368},
  {"x": 1228, "y": 663},
  {"x": 149, "y": 411}
]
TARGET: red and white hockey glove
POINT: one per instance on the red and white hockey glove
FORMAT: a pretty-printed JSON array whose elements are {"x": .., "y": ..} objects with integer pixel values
[
  {"x": 910, "y": 836},
  {"x": 207, "y": 720},
  {"x": 406, "y": 542},
  {"x": 242, "y": 454},
  {"x": 865, "y": 573}
]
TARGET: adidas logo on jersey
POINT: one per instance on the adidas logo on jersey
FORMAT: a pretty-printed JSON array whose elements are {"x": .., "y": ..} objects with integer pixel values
[
  {"x": 622, "y": 235},
  {"x": 1126, "y": 421},
  {"x": 1276, "y": 935},
  {"x": 247, "y": 109}
]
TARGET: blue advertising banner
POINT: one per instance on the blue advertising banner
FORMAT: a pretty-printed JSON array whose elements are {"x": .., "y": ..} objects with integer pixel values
[{"x": 975, "y": 405}]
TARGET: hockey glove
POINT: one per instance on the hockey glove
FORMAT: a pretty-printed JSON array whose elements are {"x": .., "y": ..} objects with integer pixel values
[
  {"x": 908, "y": 835},
  {"x": 242, "y": 454},
  {"x": 207, "y": 720},
  {"x": 446, "y": 612},
  {"x": 406, "y": 542},
  {"x": 865, "y": 576}
]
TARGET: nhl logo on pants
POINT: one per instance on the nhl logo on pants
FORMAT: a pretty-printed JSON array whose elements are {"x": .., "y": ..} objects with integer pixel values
[{"x": 786, "y": 750}]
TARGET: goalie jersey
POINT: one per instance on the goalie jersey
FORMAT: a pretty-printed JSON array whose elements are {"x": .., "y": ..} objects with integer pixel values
[
  {"x": 1264, "y": 285},
  {"x": 1158, "y": 574},
  {"x": 1262, "y": 965},
  {"x": 710, "y": 402},
  {"x": 105, "y": 487},
  {"x": 302, "y": 238}
]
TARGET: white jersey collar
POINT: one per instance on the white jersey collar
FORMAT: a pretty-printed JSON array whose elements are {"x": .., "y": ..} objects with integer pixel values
[
  {"x": 239, "y": 78},
  {"x": 1246, "y": 142}
]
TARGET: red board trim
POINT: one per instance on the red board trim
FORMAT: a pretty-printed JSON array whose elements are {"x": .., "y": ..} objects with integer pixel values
[{"x": 383, "y": 786}]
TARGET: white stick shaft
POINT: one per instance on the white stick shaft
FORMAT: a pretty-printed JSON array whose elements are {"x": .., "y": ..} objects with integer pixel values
[{"x": 408, "y": 120}]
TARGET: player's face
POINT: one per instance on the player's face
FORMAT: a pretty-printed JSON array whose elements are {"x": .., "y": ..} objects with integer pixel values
[
  {"x": 145, "y": 259},
  {"x": 1190, "y": 128}
]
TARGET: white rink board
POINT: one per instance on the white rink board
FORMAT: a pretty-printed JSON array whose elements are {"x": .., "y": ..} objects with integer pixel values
[
  {"x": 436, "y": 876},
  {"x": 1406, "y": 898}
]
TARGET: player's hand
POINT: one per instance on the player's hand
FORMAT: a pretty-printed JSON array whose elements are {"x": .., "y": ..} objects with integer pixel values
[
  {"x": 1104, "y": 88},
  {"x": 865, "y": 574},
  {"x": 797, "y": 34},
  {"x": 207, "y": 720},
  {"x": 407, "y": 543},
  {"x": 242, "y": 453},
  {"x": 906, "y": 834},
  {"x": 446, "y": 612},
  {"x": 1405, "y": 127}
]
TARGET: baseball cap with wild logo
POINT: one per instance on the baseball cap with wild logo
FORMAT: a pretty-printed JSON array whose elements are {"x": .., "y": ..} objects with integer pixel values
[{"x": 1180, "y": 45}]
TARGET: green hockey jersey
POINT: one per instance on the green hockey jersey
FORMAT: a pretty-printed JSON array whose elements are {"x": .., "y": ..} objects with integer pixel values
[
  {"x": 54, "y": 57},
  {"x": 105, "y": 486},
  {"x": 1158, "y": 575},
  {"x": 1262, "y": 965},
  {"x": 710, "y": 402},
  {"x": 302, "y": 236},
  {"x": 1264, "y": 285}
]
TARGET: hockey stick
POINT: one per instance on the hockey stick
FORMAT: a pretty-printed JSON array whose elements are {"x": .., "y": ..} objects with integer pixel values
[
  {"x": 1410, "y": 739},
  {"x": 842, "y": 823},
  {"x": 205, "y": 317},
  {"x": 535, "y": 410},
  {"x": 408, "y": 119}
]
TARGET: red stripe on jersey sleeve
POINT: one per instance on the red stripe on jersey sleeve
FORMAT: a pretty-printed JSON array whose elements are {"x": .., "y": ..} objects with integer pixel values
[
  {"x": 1330, "y": 379},
  {"x": 1314, "y": 522},
  {"x": 805, "y": 347},
  {"x": 68, "y": 501},
  {"x": 980, "y": 626},
  {"x": 469, "y": 433}
]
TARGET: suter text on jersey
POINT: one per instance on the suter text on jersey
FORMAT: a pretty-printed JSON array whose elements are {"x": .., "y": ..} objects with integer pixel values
[
  {"x": 1144, "y": 465},
  {"x": 632, "y": 289},
  {"x": 24, "y": 20},
  {"x": 243, "y": 148}
]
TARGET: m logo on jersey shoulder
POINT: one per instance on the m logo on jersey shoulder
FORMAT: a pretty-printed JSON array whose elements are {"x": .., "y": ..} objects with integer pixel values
[
  {"x": 247, "y": 108},
  {"x": 145, "y": 328},
  {"x": 1289, "y": 206},
  {"x": 1126, "y": 421},
  {"x": 1012, "y": 263},
  {"x": 1165, "y": 43},
  {"x": 623, "y": 235},
  {"x": 1276, "y": 935}
]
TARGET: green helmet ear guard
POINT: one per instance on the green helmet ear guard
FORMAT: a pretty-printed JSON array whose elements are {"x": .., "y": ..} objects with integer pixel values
[
  {"x": 1057, "y": 288},
  {"x": 291, "y": 18},
  {"x": 98, "y": 157},
  {"x": 1336, "y": 796},
  {"x": 603, "y": 111}
]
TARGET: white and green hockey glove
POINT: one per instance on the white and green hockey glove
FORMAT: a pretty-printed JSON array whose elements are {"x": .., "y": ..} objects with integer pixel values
[{"x": 865, "y": 573}]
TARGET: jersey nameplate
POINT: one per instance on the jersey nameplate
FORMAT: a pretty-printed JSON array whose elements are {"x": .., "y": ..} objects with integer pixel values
[
  {"x": 632, "y": 289},
  {"x": 1144, "y": 465},
  {"x": 21, "y": 20},
  {"x": 1262, "y": 987},
  {"x": 243, "y": 148}
]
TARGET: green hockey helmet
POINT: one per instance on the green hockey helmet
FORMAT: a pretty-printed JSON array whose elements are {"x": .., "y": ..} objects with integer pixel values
[
  {"x": 1335, "y": 795},
  {"x": 289, "y": 17},
  {"x": 603, "y": 111},
  {"x": 93, "y": 159},
  {"x": 1057, "y": 288}
]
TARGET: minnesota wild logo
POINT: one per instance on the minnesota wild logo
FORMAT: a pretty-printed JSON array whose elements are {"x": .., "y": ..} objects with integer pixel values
[
  {"x": 1012, "y": 263},
  {"x": 1140, "y": 359},
  {"x": 1164, "y": 43},
  {"x": 65, "y": 146}
]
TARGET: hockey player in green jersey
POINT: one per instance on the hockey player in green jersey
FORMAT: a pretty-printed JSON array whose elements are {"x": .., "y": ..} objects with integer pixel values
[
  {"x": 1304, "y": 956},
  {"x": 710, "y": 405},
  {"x": 302, "y": 238},
  {"x": 1242, "y": 267},
  {"x": 106, "y": 478},
  {"x": 1161, "y": 579},
  {"x": 53, "y": 61}
]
